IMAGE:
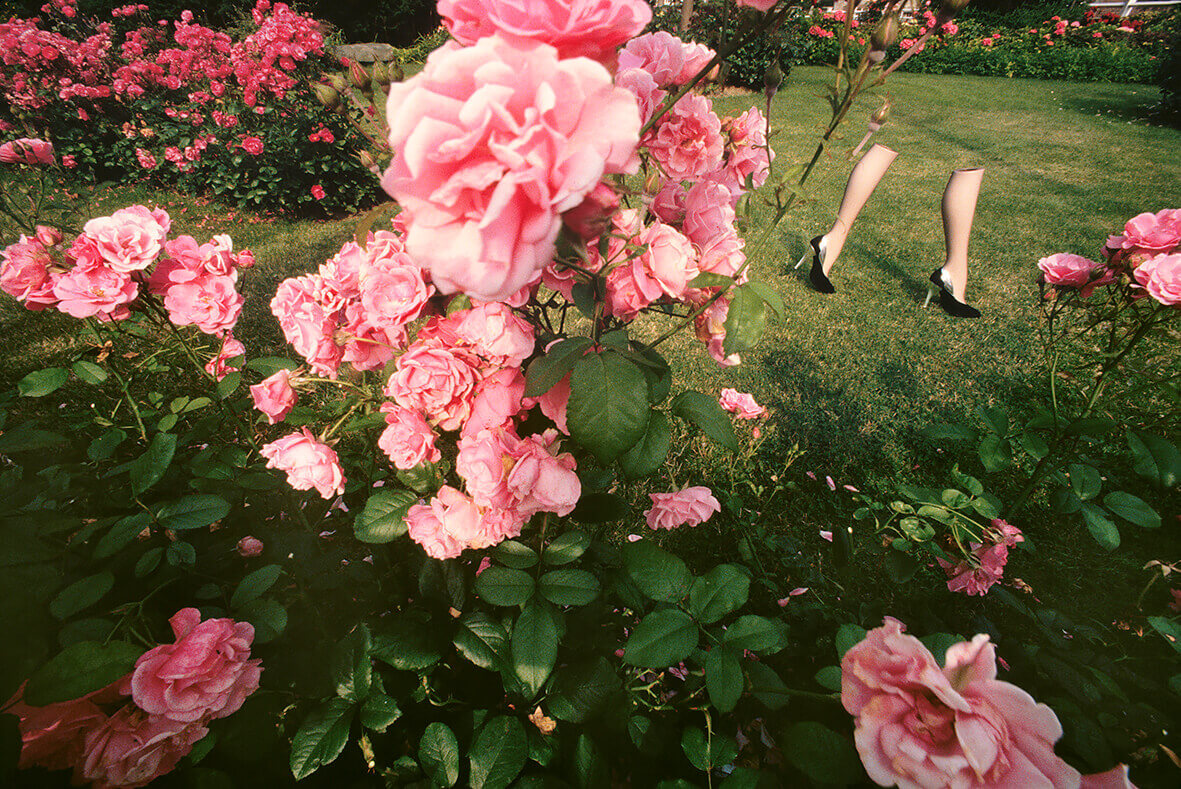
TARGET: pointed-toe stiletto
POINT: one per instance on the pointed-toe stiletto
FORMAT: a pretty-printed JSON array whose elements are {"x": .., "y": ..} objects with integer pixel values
[
  {"x": 816, "y": 276},
  {"x": 941, "y": 284}
]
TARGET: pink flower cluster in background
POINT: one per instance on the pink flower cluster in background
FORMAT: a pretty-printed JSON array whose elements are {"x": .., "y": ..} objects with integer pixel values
[
  {"x": 921, "y": 725},
  {"x": 27, "y": 150},
  {"x": 107, "y": 270},
  {"x": 976, "y": 574},
  {"x": 1148, "y": 252},
  {"x": 175, "y": 690}
]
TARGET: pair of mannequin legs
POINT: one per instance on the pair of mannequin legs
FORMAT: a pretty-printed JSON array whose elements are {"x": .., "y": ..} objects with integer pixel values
[{"x": 959, "y": 209}]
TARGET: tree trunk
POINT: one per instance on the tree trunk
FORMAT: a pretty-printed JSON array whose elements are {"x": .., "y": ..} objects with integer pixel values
[{"x": 686, "y": 15}]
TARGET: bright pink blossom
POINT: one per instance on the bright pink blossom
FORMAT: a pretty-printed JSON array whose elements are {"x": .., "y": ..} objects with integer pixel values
[
  {"x": 307, "y": 462},
  {"x": 407, "y": 440},
  {"x": 220, "y": 366},
  {"x": 132, "y": 748},
  {"x": 211, "y": 303},
  {"x": 131, "y": 238},
  {"x": 26, "y": 151},
  {"x": 439, "y": 382},
  {"x": 494, "y": 142},
  {"x": 686, "y": 507},
  {"x": 741, "y": 404},
  {"x": 586, "y": 28},
  {"x": 688, "y": 139},
  {"x": 25, "y": 273},
  {"x": 54, "y": 736},
  {"x": 85, "y": 292},
  {"x": 274, "y": 396},
  {"x": 1152, "y": 233},
  {"x": 1161, "y": 278},
  {"x": 1065, "y": 270},
  {"x": 919, "y": 725},
  {"x": 206, "y": 674},
  {"x": 452, "y": 523}
]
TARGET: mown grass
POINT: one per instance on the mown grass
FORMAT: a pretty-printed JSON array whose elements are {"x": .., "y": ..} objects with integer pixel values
[{"x": 850, "y": 378}]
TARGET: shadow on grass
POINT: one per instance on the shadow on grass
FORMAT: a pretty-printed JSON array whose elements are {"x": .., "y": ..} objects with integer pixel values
[{"x": 1138, "y": 107}]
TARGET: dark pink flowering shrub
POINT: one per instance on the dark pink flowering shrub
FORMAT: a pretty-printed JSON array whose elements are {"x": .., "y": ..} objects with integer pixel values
[{"x": 180, "y": 103}]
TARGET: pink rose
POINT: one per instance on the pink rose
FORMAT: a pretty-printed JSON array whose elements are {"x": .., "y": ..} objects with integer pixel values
[
  {"x": 132, "y": 748},
  {"x": 99, "y": 292},
  {"x": 206, "y": 674},
  {"x": 394, "y": 292},
  {"x": 481, "y": 463},
  {"x": 439, "y": 382},
  {"x": 131, "y": 238},
  {"x": 497, "y": 334},
  {"x": 722, "y": 254},
  {"x": 1064, "y": 270},
  {"x": 664, "y": 268},
  {"x": 592, "y": 217},
  {"x": 741, "y": 404},
  {"x": 407, "y": 440},
  {"x": 252, "y": 146},
  {"x": 211, "y": 303},
  {"x": 661, "y": 54},
  {"x": 758, "y": 5},
  {"x": 488, "y": 159},
  {"x": 308, "y": 463},
  {"x": 452, "y": 523},
  {"x": 219, "y": 366},
  {"x": 498, "y": 399},
  {"x": 687, "y": 507},
  {"x": 274, "y": 396},
  {"x": 304, "y": 307},
  {"x": 1161, "y": 277},
  {"x": 669, "y": 203},
  {"x": 1155, "y": 233},
  {"x": 541, "y": 481},
  {"x": 25, "y": 273},
  {"x": 688, "y": 140},
  {"x": 748, "y": 158},
  {"x": 318, "y": 192},
  {"x": 710, "y": 327},
  {"x": 54, "y": 736},
  {"x": 917, "y": 725},
  {"x": 26, "y": 151},
  {"x": 586, "y": 28},
  {"x": 249, "y": 547},
  {"x": 707, "y": 212}
]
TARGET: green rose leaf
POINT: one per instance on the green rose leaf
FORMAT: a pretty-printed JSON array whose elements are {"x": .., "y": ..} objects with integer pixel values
[
  {"x": 81, "y": 594},
  {"x": 1132, "y": 509},
  {"x": 705, "y": 412},
  {"x": 80, "y": 668},
  {"x": 663, "y": 638},
  {"x": 648, "y": 454},
  {"x": 823, "y": 755},
  {"x": 569, "y": 587},
  {"x": 504, "y": 586},
  {"x": 723, "y": 678},
  {"x": 534, "y": 645},
  {"x": 659, "y": 574},
  {"x": 379, "y": 711},
  {"x": 1101, "y": 527},
  {"x": 607, "y": 412},
  {"x": 722, "y": 590},
  {"x": 254, "y": 585},
  {"x": 546, "y": 371},
  {"x": 746, "y": 320},
  {"x": 498, "y": 753},
  {"x": 321, "y": 738},
  {"x": 352, "y": 670},
  {"x": 148, "y": 468},
  {"x": 193, "y": 512},
  {"x": 89, "y": 372},
  {"x": 384, "y": 517},
  {"x": 42, "y": 382},
  {"x": 566, "y": 548},
  {"x": 480, "y": 639}
]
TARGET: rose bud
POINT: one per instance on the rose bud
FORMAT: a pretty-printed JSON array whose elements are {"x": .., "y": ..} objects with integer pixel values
[
  {"x": 338, "y": 83},
  {"x": 359, "y": 76},
  {"x": 48, "y": 236},
  {"x": 879, "y": 116},
  {"x": 381, "y": 73},
  {"x": 772, "y": 79},
  {"x": 368, "y": 162},
  {"x": 884, "y": 36},
  {"x": 397, "y": 75},
  {"x": 328, "y": 96}
]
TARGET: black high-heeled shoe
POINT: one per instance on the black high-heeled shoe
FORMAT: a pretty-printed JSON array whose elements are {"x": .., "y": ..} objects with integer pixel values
[
  {"x": 951, "y": 305},
  {"x": 816, "y": 276}
]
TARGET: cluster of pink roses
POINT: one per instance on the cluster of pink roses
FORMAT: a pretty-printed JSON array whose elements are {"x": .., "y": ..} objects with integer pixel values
[
  {"x": 176, "y": 690},
  {"x": 1148, "y": 252},
  {"x": 921, "y": 725},
  {"x": 976, "y": 574},
  {"x": 101, "y": 273},
  {"x": 489, "y": 164}
]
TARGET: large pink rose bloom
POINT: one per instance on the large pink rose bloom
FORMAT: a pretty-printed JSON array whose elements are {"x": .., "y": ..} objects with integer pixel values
[
  {"x": 27, "y": 150},
  {"x": 308, "y": 463},
  {"x": 85, "y": 292},
  {"x": 131, "y": 238},
  {"x": 1153, "y": 233},
  {"x": 274, "y": 396},
  {"x": 688, "y": 140},
  {"x": 133, "y": 749},
  {"x": 1161, "y": 277},
  {"x": 407, "y": 440},
  {"x": 688, "y": 507},
  {"x": 922, "y": 726},
  {"x": 206, "y": 674},
  {"x": 209, "y": 302},
  {"x": 25, "y": 273},
  {"x": 54, "y": 736},
  {"x": 586, "y": 28},
  {"x": 1065, "y": 270},
  {"x": 452, "y": 523},
  {"x": 438, "y": 382},
  {"x": 494, "y": 141}
]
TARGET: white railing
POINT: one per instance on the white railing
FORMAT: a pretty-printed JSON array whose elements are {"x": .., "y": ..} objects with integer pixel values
[{"x": 1126, "y": 7}]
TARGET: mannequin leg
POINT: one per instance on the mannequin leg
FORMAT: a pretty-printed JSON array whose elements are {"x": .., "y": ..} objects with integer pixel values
[
  {"x": 862, "y": 181},
  {"x": 959, "y": 209}
]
